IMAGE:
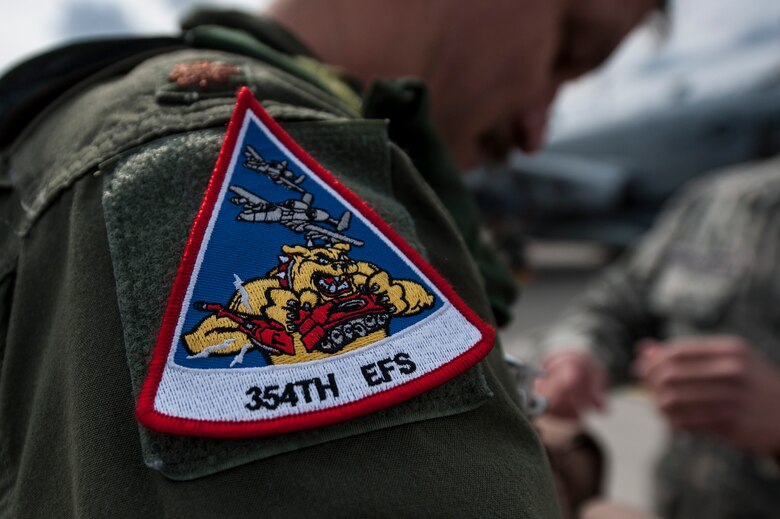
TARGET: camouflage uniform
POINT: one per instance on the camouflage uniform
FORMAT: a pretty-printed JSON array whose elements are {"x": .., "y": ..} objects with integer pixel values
[
  {"x": 710, "y": 266},
  {"x": 98, "y": 189}
]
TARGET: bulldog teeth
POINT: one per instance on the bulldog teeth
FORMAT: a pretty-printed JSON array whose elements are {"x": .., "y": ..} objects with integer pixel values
[{"x": 337, "y": 284}]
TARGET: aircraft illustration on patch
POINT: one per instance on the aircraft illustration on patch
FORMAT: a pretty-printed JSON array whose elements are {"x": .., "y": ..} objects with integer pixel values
[
  {"x": 297, "y": 215},
  {"x": 295, "y": 305}
]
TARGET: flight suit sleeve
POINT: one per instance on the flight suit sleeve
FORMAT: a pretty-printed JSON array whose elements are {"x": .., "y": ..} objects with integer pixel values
[{"x": 618, "y": 309}]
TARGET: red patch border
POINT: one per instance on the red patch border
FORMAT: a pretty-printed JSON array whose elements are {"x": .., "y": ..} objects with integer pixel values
[{"x": 151, "y": 418}]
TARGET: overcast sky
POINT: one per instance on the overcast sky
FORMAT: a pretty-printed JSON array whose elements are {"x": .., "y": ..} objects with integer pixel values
[{"x": 714, "y": 47}]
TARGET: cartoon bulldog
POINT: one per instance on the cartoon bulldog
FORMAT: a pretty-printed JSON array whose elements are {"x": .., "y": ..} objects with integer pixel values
[{"x": 317, "y": 302}]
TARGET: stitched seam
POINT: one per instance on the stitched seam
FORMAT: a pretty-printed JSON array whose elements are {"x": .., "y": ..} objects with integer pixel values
[
  {"x": 105, "y": 151},
  {"x": 80, "y": 164},
  {"x": 109, "y": 139}
]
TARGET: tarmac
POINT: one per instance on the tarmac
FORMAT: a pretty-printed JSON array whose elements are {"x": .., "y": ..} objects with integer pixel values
[{"x": 630, "y": 432}]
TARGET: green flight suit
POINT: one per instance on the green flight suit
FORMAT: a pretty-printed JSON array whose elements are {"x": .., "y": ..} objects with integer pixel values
[{"x": 97, "y": 195}]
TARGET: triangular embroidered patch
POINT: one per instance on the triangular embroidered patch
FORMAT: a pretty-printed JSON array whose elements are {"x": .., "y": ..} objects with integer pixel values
[{"x": 295, "y": 305}]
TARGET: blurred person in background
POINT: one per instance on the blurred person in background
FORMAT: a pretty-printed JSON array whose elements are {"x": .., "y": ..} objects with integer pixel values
[
  {"x": 692, "y": 315},
  {"x": 107, "y": 148}
]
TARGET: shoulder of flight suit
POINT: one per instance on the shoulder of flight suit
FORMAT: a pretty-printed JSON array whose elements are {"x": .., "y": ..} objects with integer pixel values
[{"x": 131, "y": 155}]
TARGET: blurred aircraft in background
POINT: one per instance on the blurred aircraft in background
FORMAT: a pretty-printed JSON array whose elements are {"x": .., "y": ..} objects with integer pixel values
[{"x": 607, "y": 185}]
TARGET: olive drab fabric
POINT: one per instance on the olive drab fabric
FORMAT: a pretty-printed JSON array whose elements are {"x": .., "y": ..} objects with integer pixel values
[
  {"x": 99, "y": 185},
  {"x": 710, "y": 266}
]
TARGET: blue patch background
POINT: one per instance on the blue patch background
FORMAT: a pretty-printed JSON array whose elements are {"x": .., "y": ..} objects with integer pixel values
[{"x": 251, "y": 249}]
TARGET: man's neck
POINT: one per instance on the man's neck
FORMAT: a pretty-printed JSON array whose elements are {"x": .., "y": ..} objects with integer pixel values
[{"x": 351, "y": 34}]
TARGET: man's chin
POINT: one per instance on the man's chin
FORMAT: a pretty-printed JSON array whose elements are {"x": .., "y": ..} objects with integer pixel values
[
  {"x": 490, "y": 148},
  {"x": 528, "y": 131},
  {"x": 494, "y": 147}
]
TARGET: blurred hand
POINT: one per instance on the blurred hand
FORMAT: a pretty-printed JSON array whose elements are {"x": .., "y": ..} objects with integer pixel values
[
  {"x": 717, "y": 386},
  {"x": 573, "y": 382}
]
